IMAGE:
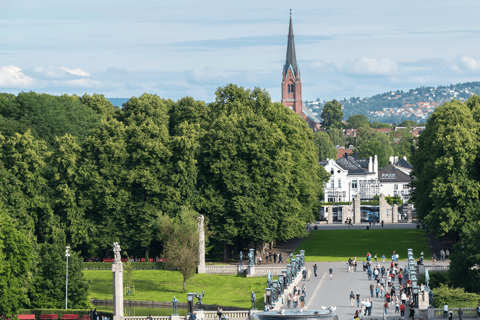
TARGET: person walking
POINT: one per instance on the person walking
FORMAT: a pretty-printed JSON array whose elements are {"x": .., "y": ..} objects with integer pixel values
[
  {"x": 315, "y": 269},
  {"x": 445, "y": 310},
  {"x": 352, "y": 299},
  {"x": 372, "y": 287},
  {"x": 402, "y": 310},
  {"x": 358, "y": 300},
  {"x": 460, "y": 312},
  {"x": 289, "y": 301},
  {"x": 397, "y": 305},
  {"x": 385, "y": 305},
  {"x": 412, "y": 310},
  {"x": 450, "y": 314},
  {"x": 331, "y": 273}
]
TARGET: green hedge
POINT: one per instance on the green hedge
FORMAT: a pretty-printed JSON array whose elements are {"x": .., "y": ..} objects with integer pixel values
[
  {"x": 135, "y": 265},
  {"x": 61, "y": 312}
]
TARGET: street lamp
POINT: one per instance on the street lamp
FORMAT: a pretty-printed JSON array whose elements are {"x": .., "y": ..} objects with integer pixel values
[{"x": 66, "y": 279}]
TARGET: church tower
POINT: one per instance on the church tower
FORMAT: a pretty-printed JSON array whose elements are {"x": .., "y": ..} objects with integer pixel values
[{"x": 291, "y": 84}]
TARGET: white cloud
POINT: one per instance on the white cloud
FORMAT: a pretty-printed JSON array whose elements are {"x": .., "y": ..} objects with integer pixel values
[
  {"x": 13, "y": 77},
  {"x": 368, "y": 66},
  {"x": 76, "y": 72},
  {"x": 466, "y": 64}
]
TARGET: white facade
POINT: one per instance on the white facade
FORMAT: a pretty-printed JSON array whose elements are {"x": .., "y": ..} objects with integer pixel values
[{"x": 345, "y": 183}]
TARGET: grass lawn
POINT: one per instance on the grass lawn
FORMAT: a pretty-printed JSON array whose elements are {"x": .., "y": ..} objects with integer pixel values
[
  {"x": 162, "y": 285},
  {"x": 339, "y": 245}
]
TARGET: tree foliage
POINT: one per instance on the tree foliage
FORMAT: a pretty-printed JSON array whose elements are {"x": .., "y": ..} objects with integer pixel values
[
  {"x": 371, "y": 143},
  {"x": 16, "y": 254},
  {"x": 358, "y": 121},
  {"x": 180, "y": 237},
  {"x": 446, "y": 188},
  {"x": 332, "y": 115},
  {"x": 325, "y": 148}
]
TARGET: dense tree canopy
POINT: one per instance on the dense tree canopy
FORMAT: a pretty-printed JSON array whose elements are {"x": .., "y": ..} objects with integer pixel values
[
  {"x": 371, "y": 143},
  {"x": 325, "y": 148},
  {"x": 358, "y": 121},
  {"x": 332, "y": 115},
  {"x": 446, "y": 188}
]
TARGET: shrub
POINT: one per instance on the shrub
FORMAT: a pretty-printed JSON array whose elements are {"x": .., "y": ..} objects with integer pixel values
[
  {"x": 455, "y": 298},
  {"x": 315, "y": 227}
]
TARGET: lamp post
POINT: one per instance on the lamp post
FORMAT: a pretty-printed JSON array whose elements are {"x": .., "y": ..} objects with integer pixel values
[{"x": 66, "y": 279}]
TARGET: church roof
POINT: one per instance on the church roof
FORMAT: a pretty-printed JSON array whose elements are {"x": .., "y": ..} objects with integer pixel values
[{"x": 291, "y": 59}]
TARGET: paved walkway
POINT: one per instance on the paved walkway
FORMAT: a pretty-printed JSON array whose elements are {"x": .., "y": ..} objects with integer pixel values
[
  {"x": 336, "y": 292},
  {"x": 343, "y": 226}
]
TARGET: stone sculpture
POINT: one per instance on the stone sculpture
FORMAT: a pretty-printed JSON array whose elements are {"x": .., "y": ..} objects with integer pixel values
[
  {"x": 253, "y": 299},
  {"x": 116, "y": 253},
  {"x": 427, "y": 280},
  {"x": 241, "y": 257}
]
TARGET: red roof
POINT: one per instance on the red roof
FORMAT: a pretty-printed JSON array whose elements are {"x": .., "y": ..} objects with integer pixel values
[{"x": 341, "y": 152}]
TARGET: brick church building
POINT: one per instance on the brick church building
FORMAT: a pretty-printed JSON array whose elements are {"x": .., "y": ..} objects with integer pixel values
[{"x": 292, "y": 84}]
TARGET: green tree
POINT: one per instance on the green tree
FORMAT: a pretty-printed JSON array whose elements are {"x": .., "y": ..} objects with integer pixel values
[
  {"x": 99, "y": 104},
  {"x": 258, "y": 169},
  {"x": 336, "y": 137},
  {"x": 446, "y": 185},
  {"x": 332, "y": 115},
  {"x": 180, "y": 236},
  {"x": 51, "y": 116},
  {"x": 48, "y": 290},
  {"x": 358, "y": 121},
  {"x": 402, "y": 141},
  {"x": 371, "y": 143},
  {"x": 408, "y": 123},
  {"x": 325, "y": 148},
  {"x": 16, "y": 254}
]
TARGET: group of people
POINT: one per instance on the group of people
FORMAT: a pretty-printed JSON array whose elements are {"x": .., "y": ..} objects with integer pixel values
[
  {"x": 271, "y": 257},
  {"x": 394, "y": 296},
  {"x": 444, "y": 254},
  {"x": 449, "y": 312},
  {"x": 298, "y": 297},
  {"x": 95, "y": 315}
]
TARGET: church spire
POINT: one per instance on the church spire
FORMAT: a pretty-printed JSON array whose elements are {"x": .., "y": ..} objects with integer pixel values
[{"x": 291, "y": 57}]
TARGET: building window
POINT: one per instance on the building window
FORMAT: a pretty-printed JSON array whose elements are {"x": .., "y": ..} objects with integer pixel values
[
  {"x": 395, "y": 193},
  {"x": 405, "y": 187},
  {"x": 332, "y": 183},
  {"x": 291, "y": 88},
  {"x": 354, "y": 184},
  {"x": 395, "y": 186},
  {"x": 339, "y": 183}
]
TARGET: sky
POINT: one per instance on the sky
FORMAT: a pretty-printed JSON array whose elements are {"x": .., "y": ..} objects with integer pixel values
[{"x": 190, "y": 48}]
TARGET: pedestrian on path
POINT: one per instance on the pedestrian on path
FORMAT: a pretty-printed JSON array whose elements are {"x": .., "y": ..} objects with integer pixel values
[
  {"x": 402, "y": 310},
  {"x": 385, "y": 305},
  {"x": 460, "y": 312},
  {"x": 309, "y": 273},
  {"x": 445, "y": 310},
  {"x": 331, "y": 273},
  {"x": 315, "y": 269},
  {"x": 450, "y": 314},
  {"x": 352, "y": 298},
  {"x": 289, "y": 301},
  {"x": 358, "y": 300}
]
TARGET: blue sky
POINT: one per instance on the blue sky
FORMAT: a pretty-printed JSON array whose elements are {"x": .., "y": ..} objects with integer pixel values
[{"x": 189, "y": 48}]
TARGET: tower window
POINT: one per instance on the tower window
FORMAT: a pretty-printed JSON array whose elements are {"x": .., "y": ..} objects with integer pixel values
[{"x": 290, "y": 88}]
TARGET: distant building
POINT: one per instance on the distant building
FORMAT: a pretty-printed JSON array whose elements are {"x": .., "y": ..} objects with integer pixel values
[
  {"x": 292, "y": 84},
  {"x": 395, "y": 178}
]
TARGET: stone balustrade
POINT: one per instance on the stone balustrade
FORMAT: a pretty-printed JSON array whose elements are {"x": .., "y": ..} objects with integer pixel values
[
  {"x": 437, "y": 268},
  {"x": 234, "y": 269},
  {"x": 221, "y": 269},
  {"x": 467, "y": 313},
  {"x": 231, "y": 315}
]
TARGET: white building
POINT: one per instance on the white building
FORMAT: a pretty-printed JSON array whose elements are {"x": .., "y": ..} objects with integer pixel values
[
  {"x": 395, "y": 178},
  {"x": 349, "y": 177}
]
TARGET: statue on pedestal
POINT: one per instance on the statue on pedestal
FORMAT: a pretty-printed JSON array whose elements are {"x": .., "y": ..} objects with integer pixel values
[
  {"x": 116, "y": 253},
  {"x": 421, "y": 258},
  {"x": 241, "y": 257},
  {"x": 280, "y": 281},
  {"x": 269, "y": 280},
  {"x": 199, "y": 297},
  {"x": 174, "y": 306},
  {"x": 251, "y": 257},
  {"x": 253, "y": 299},
  {"x": 427, "y": 280}
]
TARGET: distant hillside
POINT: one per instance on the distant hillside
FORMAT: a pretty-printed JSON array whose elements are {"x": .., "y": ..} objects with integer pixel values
[{"x": 396, "y": 106}]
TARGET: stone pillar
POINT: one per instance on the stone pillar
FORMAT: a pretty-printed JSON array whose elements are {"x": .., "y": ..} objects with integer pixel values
[
  {"x": 383, "y": 207},
  {"x": 357, "y": 216},
  {"x": 201, "y": 245},
  {"x": 410, "y": 213},
  {"x": 117, "y": 271},
  {"x": 395, "y": 213},
  {"x": 330, "y": 214},
  {"x": 251, "y": 263}
]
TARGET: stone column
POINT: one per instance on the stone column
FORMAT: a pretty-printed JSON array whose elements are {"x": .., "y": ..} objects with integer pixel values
[
  {"x": 117, "y": 271},
  {"x": 357, "y": 216},
  {"x": 395, "y": 213},
  {"x": 383, "y": 204},
  {"x": 330, "y": 214},
  {"x": 201, "y": 245}
]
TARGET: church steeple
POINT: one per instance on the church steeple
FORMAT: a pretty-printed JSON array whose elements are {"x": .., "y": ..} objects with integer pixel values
[
  {"x": 291, "y": 59},
  {"x": 291, "y": 83}
]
